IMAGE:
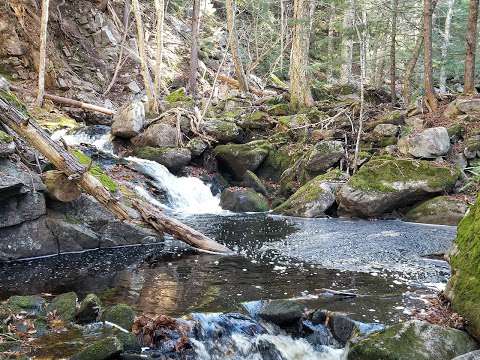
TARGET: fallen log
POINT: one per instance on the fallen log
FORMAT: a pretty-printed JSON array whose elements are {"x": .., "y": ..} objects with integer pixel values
[
  {"x": 236, "y": 84},
  {"x": 27, "y": 128},
  {"x": 72, "y": 102}
]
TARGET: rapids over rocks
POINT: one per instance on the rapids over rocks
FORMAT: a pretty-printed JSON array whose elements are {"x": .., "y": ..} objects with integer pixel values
[{"x": 374, "y": 271}]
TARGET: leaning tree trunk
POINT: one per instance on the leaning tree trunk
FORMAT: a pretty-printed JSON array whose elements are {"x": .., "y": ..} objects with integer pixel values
[
  {"x": 393, "y": 63},
  {"x": 471, "y": 47},
  {"x": 43, "y": 52},
  {"x": 445, "y": 46},
  {"x": 192, "y": 80},
  {"x": 29, "y": 130},
  {"x": 428, "y": 70},
  {"x": 233, "y": 41},
  {"x": 160, "y": 16},
  {"x": 300, "y": 93},
  {"x": 152, "y": 102}
]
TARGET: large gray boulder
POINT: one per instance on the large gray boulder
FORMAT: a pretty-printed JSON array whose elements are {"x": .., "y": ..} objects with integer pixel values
[
  {"x": 222, "y": 130},
  {"x": 238, "y": 158},
  {"x": 173, "y": 158},
  {"x": 129, "y": 121},
  {"x": 474, "y": 355},
  {"x": 441, "y": 210},
  {"x": 469, "y": 106},
  {"x": 386, "y": 184},
  {"x": 25, "y": 207},
  {"x": 412, "y": 340},
  {"x": 157, "y": 135},
  {"x": 314, "y": 198},
  {"x": 323, "y": 156},
  {"x": 243, "y": 200},
  {"x": 428, "y": 144}
]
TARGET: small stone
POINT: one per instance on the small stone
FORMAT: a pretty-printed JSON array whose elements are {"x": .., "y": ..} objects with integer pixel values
[
  {"x": 386, "y": 130},
  {"x": 133, "y": 87},
  {"x": 89, "y": 309},
  {"x": 121, "y": 315}
]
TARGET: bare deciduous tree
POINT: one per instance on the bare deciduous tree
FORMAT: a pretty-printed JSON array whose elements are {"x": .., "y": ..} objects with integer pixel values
[
  {"x": 471, "y": 47},
  {"x": 43, "y": 52}
]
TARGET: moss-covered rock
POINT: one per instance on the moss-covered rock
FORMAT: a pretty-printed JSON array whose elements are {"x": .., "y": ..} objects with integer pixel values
[
  {"x": 314, "y": 198},
  {"x": 34, "y": 304},
  {"x": 197, "y": 147},
  {"x": 96, "y": 170},
  {"x": 442, "y": 210},
  {"x": 238, "y": 158},
  {"x": 121, "y": 314},
  {"x": 255, "y": 121},
  {"x": 7, "y": 145},
  {"x": 178, "y": 95},
  {"x": 250, "y": 180},
  {"x": 277, "y": 161},
  {"x": 385, "y": 184},
  {"x": 64, "y": 306},
  {"x": 101, "y": 350},
  {"x": 243, "y": 200},
  {"x": 222, "y": 130},
  {"x": 323, "y": 156},
  {"x": 456, "y": 132},
  {"x": 173, "y": 158},
  {"x": 395, "y": 117},
  {"x": 281, "y": 109},
  {"x": 89, "y": 309},
  {"x": 464, "y": 285},
  {"x": 412, "y": 340},
  {"x": 53, "y": 120}
]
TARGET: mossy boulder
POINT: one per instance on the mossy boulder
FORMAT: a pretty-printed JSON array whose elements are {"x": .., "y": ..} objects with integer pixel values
[
  {"x": 96, "y": 171},
  {"x": 7, "y": 145},
  {"x": 442, "y": 210},
  {"x": 412, "y": 340},
  {"x": 314, "y": 198},
  {"x": 281, "y": 109},
  {"x": 197, "y": 147},
  {"x": 173, "y": 158},
  {"x": 385, "y": 184},
  {"x": 178, "y": 95},
  {"x": 464, "y": 286},
  {"x": 89, "y": 309},
  {"x": 64, "y": 306},
  {"x": 395, "y": 117},
  {"x": 472, "y": 147},
  {"x": 121, "y": 314},
  {"x": 243, "y": 200},
  {"x": 428, "y": 144},
  {"x": 277, "y": 161},
  {"x": 323, "y": 156},
  {"x": 31, "y": 304},
  {"x": 250, "y": 180},
  {"x": 103, "y": 349},
  {"x": 222, "y": 130},
  {"x": 255, "y": 121},
  {"x": 238, "y": 158}
]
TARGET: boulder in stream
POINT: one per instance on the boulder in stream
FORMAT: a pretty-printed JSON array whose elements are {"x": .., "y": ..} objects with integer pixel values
[
  {"x": 64, "y": 306},
  {"x": 101, "y": 350},
  {"x": 129, "y": 121},
  {"x": 222, "y": 130},
  {"x": 323, "y": 156},
  {"x": 173, "y": 158},
  {"x": 157, "y": 135},
  {"x": 243, "y": 200},
  {"x": 441, "y": 210},
  {"x": 385, "y": 184},
  {"x": 89, "y": 309},
  {"x": 412, "y": 340},
  {"x": 121, "y": 314}
]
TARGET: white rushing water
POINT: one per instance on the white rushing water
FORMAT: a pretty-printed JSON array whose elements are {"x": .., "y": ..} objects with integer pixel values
[{"x": 188, "y": 195}]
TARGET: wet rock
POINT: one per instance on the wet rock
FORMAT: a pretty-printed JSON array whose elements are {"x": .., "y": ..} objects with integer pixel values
[
  {"x": 269, "y": 351},
  {"x": 243, "y": 200},
  {"x": 157, "y": 135},
  {"x": 197, "y": 147},
  {"x": 89, "y": 309},
  {"x": 238, "y": 158},
  {"x": 129, "y": 342},
  {"x": 129, "y": 121},
  {"x": 34, "y": 305},
  {"x": 441, "y": 210},
  {"x": 386, "y": 130},
  {"x": 7, "y": 145},
  {"x": 323, "y": 156},
  {"x": 429, "y": 144},
  {"x": 251, "y": 180},
  {"x": 19, "y": 209},
  {"x": 100, "y": 350},
  {"x": 64, "y": 306},
  {"x": 463, "y": 287},
  {"x": 59, "y": 187},
  {"x": 282, "y": 312},
  {"x": 276, "y": 162},
  {"x": 386, "y": 184},
  {"x": 16, "y": 180},
  {"x": 121, "y": 315},
  {"x": 314, "y": 198},
  {"x": 26, "y": 240},
  {"x": 72, "y": 235},
  {"x": 174, "y": 159},
  {"x": 474, "y": 355},
  {"x": 412, "y": 340},
  {"x": 222, "y": 130}
]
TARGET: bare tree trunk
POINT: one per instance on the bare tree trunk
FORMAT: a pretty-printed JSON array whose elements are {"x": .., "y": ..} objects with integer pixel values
[
  {"x": 282, "y": 32},
  {"x": 152, "y": 102},
  {"x": 347, "y": 44},
  {"x": 445, "y": 46},
  {"x": 330, "y": 48},
  {"x": 471, "y": 47},
  {"x": 192, "y": 80},
  {"x": 233, "y": 42},
  {"x": 43, "y": 52},
  {"x": 160, "y": 15},
  {"x": 300, "y": 93},
  {"x": 393, "y": 64},
  {"x": 407, "y": 78},
  {"x": 363, "y": 63},
  {"x": 428, "y": 71}
]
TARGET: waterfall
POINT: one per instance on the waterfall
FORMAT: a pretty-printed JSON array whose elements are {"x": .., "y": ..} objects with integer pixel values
[{"x": 184, "y": 194}]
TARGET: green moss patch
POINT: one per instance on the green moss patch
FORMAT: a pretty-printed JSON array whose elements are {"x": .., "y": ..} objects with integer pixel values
[{"x": 96, "y": 171}]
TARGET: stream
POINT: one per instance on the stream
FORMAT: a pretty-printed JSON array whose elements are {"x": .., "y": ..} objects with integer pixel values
[{"x": 390, "y": 265}]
